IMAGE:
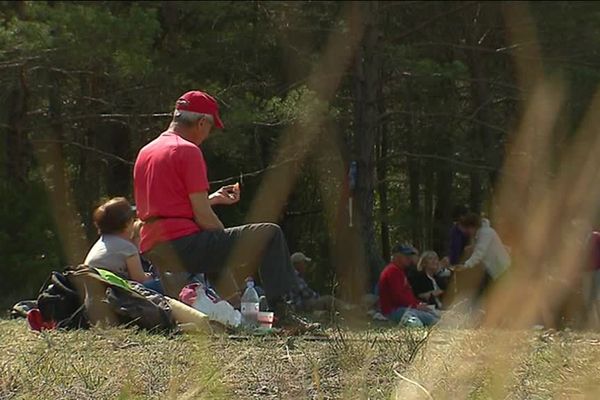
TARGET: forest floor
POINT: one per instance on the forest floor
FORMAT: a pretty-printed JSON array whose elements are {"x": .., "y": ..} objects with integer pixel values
[{"x": 375, "y": 362}]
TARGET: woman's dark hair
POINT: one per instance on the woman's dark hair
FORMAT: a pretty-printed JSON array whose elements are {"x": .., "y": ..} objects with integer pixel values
[
  {"x": 471, "y": 220},
  {"x": 459, "y": 211},
  {"x": 113, "y": 216}
]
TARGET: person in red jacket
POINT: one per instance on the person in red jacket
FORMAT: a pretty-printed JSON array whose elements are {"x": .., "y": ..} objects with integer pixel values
[{"x": 396, "y": 297}]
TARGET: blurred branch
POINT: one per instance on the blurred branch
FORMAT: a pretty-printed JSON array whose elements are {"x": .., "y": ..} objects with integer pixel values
[
  {"x": 413, "y": 75},
  {"x": 511, "y": 48},
  {"x": 434, "y": 19},
  {"x": 447, "y": 115},
  {"x": 84, "y": 147},
  {"x": 449, "y": 160},
  {"x": 17, "y": 62},
  {"x": 241, "y": 176},
  {"x": 105, "y": 116},
  {"x": 303, "y": 213}
]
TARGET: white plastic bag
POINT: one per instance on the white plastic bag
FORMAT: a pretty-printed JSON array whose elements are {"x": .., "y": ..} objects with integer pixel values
[{"x": 217, "y": 309}]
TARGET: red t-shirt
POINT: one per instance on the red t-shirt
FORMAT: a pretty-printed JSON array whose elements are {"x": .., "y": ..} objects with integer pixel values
[
  {"x": 395, "y": 290},
  {"x": 166, "y": 172}
]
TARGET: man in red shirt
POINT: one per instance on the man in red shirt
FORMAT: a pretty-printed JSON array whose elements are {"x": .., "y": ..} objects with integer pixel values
[
  {"x": 396, "y": 297},
  {"x": 181, "y": 234}
]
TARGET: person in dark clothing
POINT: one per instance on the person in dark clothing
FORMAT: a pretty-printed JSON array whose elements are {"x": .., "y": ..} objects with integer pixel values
[
  {"x": 431, "y": 281},
  {"x": 411, "y": 269},
  {"x": 458, "y": 238}
]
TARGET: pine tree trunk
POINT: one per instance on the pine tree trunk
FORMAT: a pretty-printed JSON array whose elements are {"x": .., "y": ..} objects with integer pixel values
[
  {"x": 443, "y": 209},
  {"x": 486, "y": 145},
  {"x": 53, "y": 166},
  {"x": 428, "y": 225},
  {"x": 16, "y": 150},
  {"x": 367, "y": 82},
  {"x": 382, "y": 186}
]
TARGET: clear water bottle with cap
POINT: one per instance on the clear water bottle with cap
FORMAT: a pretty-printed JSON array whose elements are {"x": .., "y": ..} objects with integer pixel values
[{"x": 250, "y": 304}]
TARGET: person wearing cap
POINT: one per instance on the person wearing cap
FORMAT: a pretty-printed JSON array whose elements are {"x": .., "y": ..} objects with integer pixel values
[
  {"x": 307, "y": 299},
  {"x": 305, "y": 296},
  {"x": 181, "y": 233},
  {"x": 396, "y": 297},
  {"x": 300, "y": 261}
]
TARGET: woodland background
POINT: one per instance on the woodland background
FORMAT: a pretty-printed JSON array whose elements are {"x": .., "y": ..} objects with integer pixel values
[{"x": 422, "y": 95}]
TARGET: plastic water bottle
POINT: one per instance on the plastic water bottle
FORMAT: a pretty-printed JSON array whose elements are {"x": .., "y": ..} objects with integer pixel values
[{"x": 250, "y": 303}]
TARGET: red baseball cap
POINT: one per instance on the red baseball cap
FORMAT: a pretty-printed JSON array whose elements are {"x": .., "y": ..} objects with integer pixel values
[{"x": 200, "y": 102}]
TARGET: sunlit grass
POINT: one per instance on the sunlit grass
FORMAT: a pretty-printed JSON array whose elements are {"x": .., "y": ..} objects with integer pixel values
[
  {"x": 103, "y": 364},
  {"x": 544, "y": 206}
]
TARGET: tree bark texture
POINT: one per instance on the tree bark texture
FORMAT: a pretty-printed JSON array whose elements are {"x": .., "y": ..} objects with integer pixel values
[{"x": 367, "y": 82}]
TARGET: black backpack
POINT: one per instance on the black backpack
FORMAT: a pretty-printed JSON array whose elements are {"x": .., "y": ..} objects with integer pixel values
[
  {"x": 141, "y": 307},
  {"x": 58, "y": 301}
]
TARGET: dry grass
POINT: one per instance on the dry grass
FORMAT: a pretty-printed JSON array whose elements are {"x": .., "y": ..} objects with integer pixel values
[
  {"x": 360, "y": 364},
  {"x": 496, "y": 364},
  {"x": 102, "y": 364}
]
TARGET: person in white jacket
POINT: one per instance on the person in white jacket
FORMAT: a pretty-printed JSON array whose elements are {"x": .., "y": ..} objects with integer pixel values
[{"x": 489, "y": 251}]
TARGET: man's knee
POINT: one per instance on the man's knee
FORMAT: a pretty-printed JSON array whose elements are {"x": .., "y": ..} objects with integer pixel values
[{"x": 268, "y": 228}]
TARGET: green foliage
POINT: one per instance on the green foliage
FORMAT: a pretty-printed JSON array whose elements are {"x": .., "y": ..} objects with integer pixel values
[
  {"x": 95, "y": 75},
  {"x": 95, "y": 38},
  {"x": 29, "y": 246}
]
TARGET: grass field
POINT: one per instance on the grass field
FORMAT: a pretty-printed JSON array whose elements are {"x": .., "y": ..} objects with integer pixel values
[{"x": 375, "y": 363}]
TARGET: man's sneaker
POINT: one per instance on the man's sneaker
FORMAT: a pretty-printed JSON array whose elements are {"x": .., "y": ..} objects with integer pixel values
[{"x": 288, "y": 320}]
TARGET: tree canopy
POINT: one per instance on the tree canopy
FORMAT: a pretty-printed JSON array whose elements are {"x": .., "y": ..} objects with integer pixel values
[{"x": 423, "y": 96}]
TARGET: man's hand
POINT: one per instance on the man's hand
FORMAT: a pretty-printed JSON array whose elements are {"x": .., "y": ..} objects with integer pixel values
[
  {"x": 227, "y": 195},
  {"x": 445, "y": 262},
  {"x": 437, "y": 293},
  {"x": 423, "y": 307},
  {"x": 458, "y": 268},
  {"x": 204, "y": 215}
]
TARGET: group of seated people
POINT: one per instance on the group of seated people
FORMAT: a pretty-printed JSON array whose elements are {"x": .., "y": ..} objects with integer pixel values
[
  {"x": 117, "y": 250},
  {"x": 179, "y": 232},
  {"x": 397, "y": 296},
  {"x": 413, "y": 286},
  {"x": 410, "y": 284}
]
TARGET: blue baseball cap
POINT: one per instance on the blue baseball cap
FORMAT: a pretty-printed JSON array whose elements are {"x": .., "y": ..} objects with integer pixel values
[{"x": 402, "y": 249}]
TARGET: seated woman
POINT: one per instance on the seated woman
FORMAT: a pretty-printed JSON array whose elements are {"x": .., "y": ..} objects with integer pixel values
[
  {"x": 114, "y": 250},
  {"x": 430, "y": 282}
]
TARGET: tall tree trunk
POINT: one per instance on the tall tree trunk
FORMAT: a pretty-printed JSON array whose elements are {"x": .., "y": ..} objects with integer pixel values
[
  {"x": 428, "y": 220},
  {"x": 382, "y": 186},
  {"x": 53, "y": 166},
  {"x": 86, "y": 179},
  {"x": 414, "y": 182},
  {"x": 367, "y": 82},
  {"x": 486, "y": 140},
  {"x": 382, "y": 173},
  {"x": 443, "y": 208},
  {"x": 16, "y": 149},
  {"x": 117, "y": 140},
  {"x": 444, "y": 175},
  {"x": 413, "y": 170},
  {"x": 475, "y": 192}
]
